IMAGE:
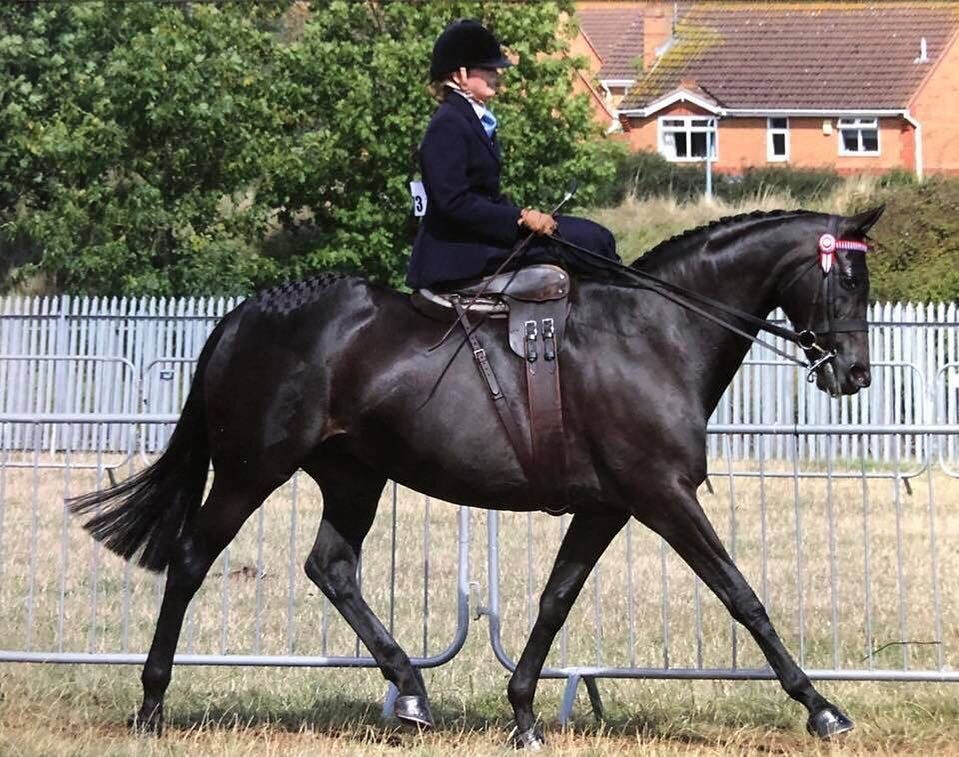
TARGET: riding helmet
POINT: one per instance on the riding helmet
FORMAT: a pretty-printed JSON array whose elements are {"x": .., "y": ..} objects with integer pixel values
[{"x": 465, "y": 43}]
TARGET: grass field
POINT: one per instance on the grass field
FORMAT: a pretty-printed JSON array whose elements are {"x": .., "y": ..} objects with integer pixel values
[
  {"x": 638, "y": 225},
  {"x": 82, "y": 710}
]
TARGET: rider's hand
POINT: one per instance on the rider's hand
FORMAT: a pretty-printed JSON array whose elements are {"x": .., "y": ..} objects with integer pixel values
[{"x": 537, "y": 221}]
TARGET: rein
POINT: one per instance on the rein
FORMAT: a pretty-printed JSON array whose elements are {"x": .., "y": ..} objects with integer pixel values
[{"x": 806, "y": 339}]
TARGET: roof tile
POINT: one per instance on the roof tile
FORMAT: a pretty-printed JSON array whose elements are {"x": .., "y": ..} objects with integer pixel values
[
  {"x": 617, "y": 35},
  {"x": 836, "y": 55}
]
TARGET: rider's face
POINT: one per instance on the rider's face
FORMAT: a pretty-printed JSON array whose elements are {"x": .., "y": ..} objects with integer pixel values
[{"x": 481, "y": 83}]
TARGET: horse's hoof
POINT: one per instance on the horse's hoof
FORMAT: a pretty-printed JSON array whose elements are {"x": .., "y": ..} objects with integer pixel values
[
  {"x": 828, "y": 722},
  {"x": 413, "y": 709},
  {"x": 530, "y": 739},
  {"x": 147, "y": 722}
]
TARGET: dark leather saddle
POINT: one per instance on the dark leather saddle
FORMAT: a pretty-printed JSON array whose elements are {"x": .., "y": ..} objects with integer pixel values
[{"x": 535, "y": 302}]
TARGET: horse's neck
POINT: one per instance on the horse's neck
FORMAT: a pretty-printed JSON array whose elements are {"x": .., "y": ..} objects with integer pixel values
[{"x": 745, "y": 280}]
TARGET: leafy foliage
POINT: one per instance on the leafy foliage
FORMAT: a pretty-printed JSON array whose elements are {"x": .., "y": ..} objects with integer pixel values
[
  {"x": 171, "y": 148},
  {"x": 917, "y": 241}
]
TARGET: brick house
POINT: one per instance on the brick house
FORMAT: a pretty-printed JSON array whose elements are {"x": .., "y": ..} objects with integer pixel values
[{"x": 856, "y": 87}]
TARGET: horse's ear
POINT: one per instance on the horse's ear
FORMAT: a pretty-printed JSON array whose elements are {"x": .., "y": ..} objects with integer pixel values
[{"x": 861, "y": 223}]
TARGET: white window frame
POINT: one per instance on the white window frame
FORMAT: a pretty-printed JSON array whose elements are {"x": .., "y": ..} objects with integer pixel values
[
  {"x": 859, "y": 124},
  {"x": 711, "y": 130},
  {"x": 771, "y": 130}
]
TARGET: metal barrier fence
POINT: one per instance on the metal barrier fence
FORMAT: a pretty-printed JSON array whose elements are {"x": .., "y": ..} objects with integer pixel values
[
  {"x": 89, "y": 355},
  {"x": 68, "y": 600},
  {"x": 838, "y": 524},
  {"x": 845, "y": 557}
]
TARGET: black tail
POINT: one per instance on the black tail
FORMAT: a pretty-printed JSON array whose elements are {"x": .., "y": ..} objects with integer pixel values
[{"x": 146, "y": 513}]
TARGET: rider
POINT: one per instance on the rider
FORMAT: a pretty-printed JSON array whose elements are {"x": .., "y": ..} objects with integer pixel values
[{"x": 469, "y": 227}]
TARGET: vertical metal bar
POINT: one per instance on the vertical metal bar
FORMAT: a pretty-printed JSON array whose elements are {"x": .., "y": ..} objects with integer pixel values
[
  {"x": 698, "y": 615},
  {"x": 763, "y": 546},
  {"x": 530, "y": 612},
  {"x": 934, "y": 559},
  {"x": 393, "y": 493},
  {"x": 3, "y": 501},
  {"x": 426, "y": 576},
  {"x": 665, "y": 605},
  {"x": 258, "y": 582},
  {"x": 900, "y": 571},
  {"x": 64, "y": 550},
  {"x": 225, "y": 600},
  {"x": 867, "y": 578},
  {"x": 833, "y": 568},
  {"x": 95, "y": 564},
  {"x": 597, "y": 614},
  {"x": 562, "y": 524},
  {"x": 799, "y": 555},
  {"x": 630, "y": 598},
  {"x": 34, "y": 532},
  {"x": 733, "y": 630},
  {"x": 291, "y": 574}
]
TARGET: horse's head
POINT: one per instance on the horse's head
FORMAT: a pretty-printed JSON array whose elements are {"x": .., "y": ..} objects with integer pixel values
[{"x": 829, "y": 296}]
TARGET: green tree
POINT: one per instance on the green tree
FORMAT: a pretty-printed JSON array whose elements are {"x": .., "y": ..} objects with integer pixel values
[{"x": 172, "y": 148}]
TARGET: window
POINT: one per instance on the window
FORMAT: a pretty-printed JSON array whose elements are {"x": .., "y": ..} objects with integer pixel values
[
  {"x": 777, "y": 139},
  {"x": 858, "y": 136},
  {"x": 686, "y": 138}
]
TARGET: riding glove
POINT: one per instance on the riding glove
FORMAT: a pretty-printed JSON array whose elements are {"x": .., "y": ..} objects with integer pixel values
[{"x": 537, "y": 221}]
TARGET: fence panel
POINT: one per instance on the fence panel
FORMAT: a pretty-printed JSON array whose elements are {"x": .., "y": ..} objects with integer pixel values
[
  {"x": 843, "y": 553},
  {"x": 67, "y": 599}
]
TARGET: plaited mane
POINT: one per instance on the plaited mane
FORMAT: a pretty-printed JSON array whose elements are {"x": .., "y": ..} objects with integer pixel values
[
  {"x": 694, "y": 239},
  {"x": 290, "y": 296}
]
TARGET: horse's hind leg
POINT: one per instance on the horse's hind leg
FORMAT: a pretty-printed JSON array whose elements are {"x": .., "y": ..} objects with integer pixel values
[
  {"x": 685, "y": 526},
  {"x": 215, "y": 525},
  {"x": 350, "y": 497}
]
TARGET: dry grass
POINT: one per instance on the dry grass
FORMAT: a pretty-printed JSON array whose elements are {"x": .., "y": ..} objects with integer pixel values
[
  {"x": 81, "y": 710},
  {"x": 638, "y": 225}
]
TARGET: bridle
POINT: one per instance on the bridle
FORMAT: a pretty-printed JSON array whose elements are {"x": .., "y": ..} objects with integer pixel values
[{"x": 807, "y": 339}]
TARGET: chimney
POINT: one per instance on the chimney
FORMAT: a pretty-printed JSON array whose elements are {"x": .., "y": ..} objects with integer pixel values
[
  {"x": 657, "y": 31},
  {"x": 923, "y": 52}
]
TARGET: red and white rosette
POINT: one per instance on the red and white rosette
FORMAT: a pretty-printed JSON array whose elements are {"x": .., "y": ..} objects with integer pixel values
[{"x": 827, "y": 251}]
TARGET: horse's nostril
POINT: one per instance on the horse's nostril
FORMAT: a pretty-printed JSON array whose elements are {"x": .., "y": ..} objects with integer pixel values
[{"x": 860, "y": 375}]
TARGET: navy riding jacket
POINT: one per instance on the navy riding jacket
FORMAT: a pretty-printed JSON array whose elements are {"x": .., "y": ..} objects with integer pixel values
[
  {"x": 468, "y": 224},
  {"x": 470, "y": 228}
]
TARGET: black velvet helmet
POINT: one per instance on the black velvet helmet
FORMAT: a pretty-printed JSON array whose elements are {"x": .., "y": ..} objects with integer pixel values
[{"x": 465, "y": 43}]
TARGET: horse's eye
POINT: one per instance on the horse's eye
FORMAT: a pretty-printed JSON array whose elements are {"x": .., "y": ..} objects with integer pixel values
[{"x": 849, "y": 282}]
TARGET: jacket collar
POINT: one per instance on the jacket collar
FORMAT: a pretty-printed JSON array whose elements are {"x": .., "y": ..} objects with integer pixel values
[{"x": 462, "y": 106}]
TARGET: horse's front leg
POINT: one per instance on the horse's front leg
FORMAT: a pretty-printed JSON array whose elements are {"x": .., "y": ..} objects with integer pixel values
[
  {"x": 585, "y": 541},
  {"x": 681, "y": 521}
]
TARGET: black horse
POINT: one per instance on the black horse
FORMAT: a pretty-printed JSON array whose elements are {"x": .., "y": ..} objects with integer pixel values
[{"x": 331, "y": 376}]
